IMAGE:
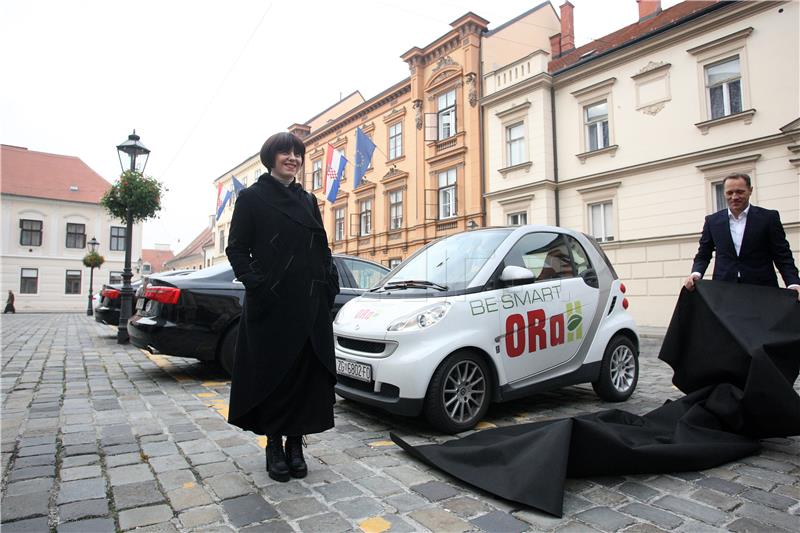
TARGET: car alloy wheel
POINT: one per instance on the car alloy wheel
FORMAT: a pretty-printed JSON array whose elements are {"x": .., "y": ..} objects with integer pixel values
[
  {"x": 459, "y": 392},
  {"x": 619, "y": 370}
]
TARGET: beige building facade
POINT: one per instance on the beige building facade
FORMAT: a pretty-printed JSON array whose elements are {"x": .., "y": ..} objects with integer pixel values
[{"x": 645, "y": 124}]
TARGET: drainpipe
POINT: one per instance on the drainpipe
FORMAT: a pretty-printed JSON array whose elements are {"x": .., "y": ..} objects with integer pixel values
[{"x": 555, "y": 152}]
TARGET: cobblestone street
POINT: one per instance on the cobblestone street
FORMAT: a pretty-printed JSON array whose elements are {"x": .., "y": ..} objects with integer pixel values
[{"x": 100, "y": 437}]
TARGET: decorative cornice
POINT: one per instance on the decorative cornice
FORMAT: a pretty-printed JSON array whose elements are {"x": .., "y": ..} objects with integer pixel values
[
  {"x": 611, "y": 150},
  {"x": 600, "y": 187},
  {"x": 651, "y": 68},
  {"x": 605, "y": 84},
  {"x": 722, "y": 41},
  {"x": 705, "y": 167},
  {"x": 745, "y": 116},
  {"x": 513, "y": 110}
]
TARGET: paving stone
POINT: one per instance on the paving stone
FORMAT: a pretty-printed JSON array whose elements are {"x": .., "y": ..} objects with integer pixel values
[
  {"x": 408, "y": 475},
  {"x": 776, "y": 501},
  {"x": 31, "y": 525},
  {"x": 756, "y": 482},
  {"x": 84, "y": 509},
  {"x": 361, "y": 507},
  {"x": 644, "y": 527},
  {"x": 272, "y": 526},
  {"x": 316, "y": 475},
  {"x": 80, "y": 472},
  {"x": 78, "y": 449},
  {"x": 43, "y": 449},
  {"x": 200, "y": 516},
  {"x": 637, "y": 490},
  {"x": 722, "y": 485},
  {"x": 92, "y": 525},
  {"x": 190, "y": 495},
  {"x": 205, "y": 458},
  {"x": 715, "y": 499},
  {"x": 658, "y": 517},
  {"x": 576, "y": 527},
  {"x": 83, "y": 489},
  {"x": 168, "y": 463},
  {"x": 380, "y": 486},
  {"x": 325, "y": 523},
  {"x": 605, "y": 497},
  {"x": 300, "y": 507},
  {"x": 691, "y": 509},
  {"x": 24, "y": 506},
  {"x": 248, "y": 509},
  {"x": 746, "y": 525},
  {"x": 605, "y": 519},
  {"x": 229, "y": 485},
  {"x": 769, "y": 516},
  {"x": 440, "y": 520},
  {"x": 79, "y": 460},
  {"x": 499, "y": 522},
  {"x": 338, "y": 491},
  {"x": 775, "y": 477},
  {"x": 30, "y": 486},
  {"x": 352, "y": 471},
  {"x": 19, "y": 474},
  {"x": 144, "y": 516},
  {"x": 123, "y": 475},
  {"x": 406, "y": 502},
  {"x": 35, "y": 460},
  {"x": 174, "y": 479},
  {"x": 466, "y": 507},
  {"x": 435, "y": 490},
  {"x": 123, "y": 459},
  {"x": 136, "y": 494},
  {"x": 215, "y": 469}
]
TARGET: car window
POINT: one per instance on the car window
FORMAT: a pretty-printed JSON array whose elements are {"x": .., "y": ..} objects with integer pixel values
[
  {"x": 580, "y": 259},
  {"x": 545, "y": 254},
  {"x": 366, "y": 275}
]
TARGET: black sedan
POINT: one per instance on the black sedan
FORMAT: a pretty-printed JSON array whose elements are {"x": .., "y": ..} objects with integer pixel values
[
  {"x": 197, "y": 315},
  {"x": 107, "y": 311}
]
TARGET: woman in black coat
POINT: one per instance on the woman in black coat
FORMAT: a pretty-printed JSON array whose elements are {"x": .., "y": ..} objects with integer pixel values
[{"x": 284, "y": 371}]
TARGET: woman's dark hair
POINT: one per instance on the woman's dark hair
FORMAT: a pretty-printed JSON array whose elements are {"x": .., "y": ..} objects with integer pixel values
[{"x": 281, "y": 142}]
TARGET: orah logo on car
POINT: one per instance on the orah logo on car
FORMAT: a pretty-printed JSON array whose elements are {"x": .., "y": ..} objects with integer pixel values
[{"x": 532, "y": 331}]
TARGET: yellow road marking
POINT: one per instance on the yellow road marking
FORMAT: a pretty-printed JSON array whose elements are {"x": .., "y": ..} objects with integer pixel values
[
  {"x": 189, "y": 485},
  {"x": 377, "y": 443},
  {"x": 375, "y": 524},
  {"x": 206, "y": 394},
  {"x": 484, "y": 425},
  {"x": 262, "y": 441}
]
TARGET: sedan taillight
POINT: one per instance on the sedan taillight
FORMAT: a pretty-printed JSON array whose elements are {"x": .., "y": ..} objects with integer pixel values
[
  {"x": 164, "y": 295},
  {"x": 111, "y": 294}
]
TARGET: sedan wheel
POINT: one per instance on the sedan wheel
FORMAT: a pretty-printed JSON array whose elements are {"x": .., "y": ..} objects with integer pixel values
[
  {"x": 459, "y": 393},
  {"x": 619, "y": 371},
  {"x": 227, "y": 349}
]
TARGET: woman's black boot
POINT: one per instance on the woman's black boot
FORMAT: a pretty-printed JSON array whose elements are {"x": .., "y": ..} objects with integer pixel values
[
  {"x": 276, "y": 459},
  {"x": 294, "y": 454}
]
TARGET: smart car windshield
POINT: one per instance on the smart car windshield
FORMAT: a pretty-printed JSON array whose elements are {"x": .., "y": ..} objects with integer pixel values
[{"x": 449, "y": 264}]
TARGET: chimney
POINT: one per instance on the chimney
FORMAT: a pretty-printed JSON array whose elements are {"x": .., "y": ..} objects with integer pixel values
[
  {"x": 648, "y": 8},
  {"x": 567, "y": 28},
  {"x": 555, "y": 45}
]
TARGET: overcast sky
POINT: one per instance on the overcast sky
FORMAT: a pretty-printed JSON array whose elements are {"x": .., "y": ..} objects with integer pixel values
[{"x": 205, "y": 82}]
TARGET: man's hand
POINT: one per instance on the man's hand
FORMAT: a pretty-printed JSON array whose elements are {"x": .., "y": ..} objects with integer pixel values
[
  {"x": 796, "y": 288},
  {"x": 689, "y": 283}
]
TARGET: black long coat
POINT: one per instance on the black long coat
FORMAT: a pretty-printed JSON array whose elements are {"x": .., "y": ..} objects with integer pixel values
[{"x": 279, "y": 251}]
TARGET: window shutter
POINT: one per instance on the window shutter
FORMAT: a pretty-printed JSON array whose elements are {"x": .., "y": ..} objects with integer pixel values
[{"x": 431, "y": 127}]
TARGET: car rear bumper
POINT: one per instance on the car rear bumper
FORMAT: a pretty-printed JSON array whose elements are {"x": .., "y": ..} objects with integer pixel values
[
  {"x": 106, "y": 315},
  {"x": 162, "y": 336}
]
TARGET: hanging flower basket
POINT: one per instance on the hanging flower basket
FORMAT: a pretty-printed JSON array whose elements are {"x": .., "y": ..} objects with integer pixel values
[
  {"x": 93, "y": 260},
  {"x": 135, "y": 193}
]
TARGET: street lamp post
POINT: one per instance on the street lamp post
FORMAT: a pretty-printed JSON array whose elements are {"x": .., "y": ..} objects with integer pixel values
[
  {"x": 93, "y": 244},
  {"x": 138, "y": 155}
]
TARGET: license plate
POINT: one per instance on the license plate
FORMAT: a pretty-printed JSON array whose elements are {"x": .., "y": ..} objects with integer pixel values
[
  {"x": 139, "y": 304},
  {"x": 358, "y": 371}
]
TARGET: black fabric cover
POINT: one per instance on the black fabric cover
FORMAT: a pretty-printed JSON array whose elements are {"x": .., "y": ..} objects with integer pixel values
[{"x": 735, "y": 352}]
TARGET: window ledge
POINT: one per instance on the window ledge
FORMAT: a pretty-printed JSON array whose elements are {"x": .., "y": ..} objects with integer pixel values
[
  {"x": 610, "y": 150},
  {"x": 396, "y": 159},
  {"x": 744, "y": 116},
  {"x": 519, "y": 166}
]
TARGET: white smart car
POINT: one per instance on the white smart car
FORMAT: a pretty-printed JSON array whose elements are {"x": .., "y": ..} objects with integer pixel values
[{"x": 488, "y": 315}]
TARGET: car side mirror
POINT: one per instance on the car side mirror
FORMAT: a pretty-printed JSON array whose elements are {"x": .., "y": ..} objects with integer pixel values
[
  {"x": 589, "y": 277},
  {"x": 514, "y": 275}
]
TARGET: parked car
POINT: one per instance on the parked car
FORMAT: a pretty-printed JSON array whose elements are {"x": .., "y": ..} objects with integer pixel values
[
  {"x": 197, "y": 315},
  {"x": 107, "y": 310},
  {"x": 488, "y": 316}
]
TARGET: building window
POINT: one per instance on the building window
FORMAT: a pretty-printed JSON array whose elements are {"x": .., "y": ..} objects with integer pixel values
[
  {"x": 718, "y": 197},
  {"x": 596, "y": 121},
  {"x": 338, "y": 224},
  {"x": 724, "y": 87},
  {"x": 395, "y": 140},
  {"x": 73, "y": 282},
  {"x": 447, "y": 194},
  {"x": 114, "y": 278},
  {"x": 395, "y": 209},
  {"x": 393, "y": 262},
  {"x": 316, "y": 174},
  {"x": 29, "y": 281},
  {"x": 446, "y": 114},
  {"x": 30, "y": 232},
  {"x": 365, "y": 217},
  {"x": 601, "y": 221},
  {"x": 515, "y": 144},
  {"x": 517, "y": 219},
  {"x": 146, "y": 268},
  {"x": 76, "y": 235},
  {"x": 117, "y": 239},
  {"x": 222, "y": 241}
]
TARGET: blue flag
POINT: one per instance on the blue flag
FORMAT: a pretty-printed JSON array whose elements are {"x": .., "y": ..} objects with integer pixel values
[
  {"x": 364, "y": 149},
  {"x": 237, "y": 186},
  {"x": 221, "y": 206}
]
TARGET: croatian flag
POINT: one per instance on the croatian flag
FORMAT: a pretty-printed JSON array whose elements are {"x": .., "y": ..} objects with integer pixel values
[{"x": 334, "y": 167}]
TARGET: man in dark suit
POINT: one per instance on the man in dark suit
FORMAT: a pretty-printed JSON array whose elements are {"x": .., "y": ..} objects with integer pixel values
[{"x": 747, "y": 239}]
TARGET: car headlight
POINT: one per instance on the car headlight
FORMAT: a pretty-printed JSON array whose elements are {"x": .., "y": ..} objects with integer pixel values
[{"x": 421, "y": 319}]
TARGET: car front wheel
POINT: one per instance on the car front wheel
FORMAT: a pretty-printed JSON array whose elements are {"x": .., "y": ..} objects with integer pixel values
[
  {"x": 619, "y": 371},
  {"x": 459, "y": 393}
]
